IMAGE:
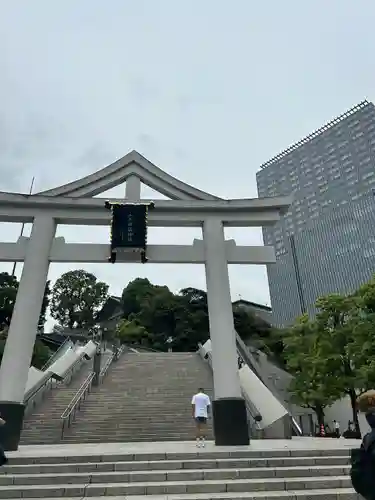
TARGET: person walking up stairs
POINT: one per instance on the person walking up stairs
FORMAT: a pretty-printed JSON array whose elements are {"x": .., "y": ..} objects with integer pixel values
[
  {"x": 145, "y": 397},
  {"x": 201, "y": 407}
]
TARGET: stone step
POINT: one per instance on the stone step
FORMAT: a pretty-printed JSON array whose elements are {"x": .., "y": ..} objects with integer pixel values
[
  {"x": 180, "y": 416},
  {"x": 155, "y": 387},
  {"x": 141, "y": 422},
  {"x": 197, "y": 464},
  {"x": 174, "y": 487},
  {"x": 135, "y": 435},
  {"x": 136, "y": 476},
  {"x": 325, "y": 494},
  {"x": 189, "y": 432},
  {"x": 140, "y": 438},
  {"x": 270, "y": 455},
  {"x": 156, "y": 471}
]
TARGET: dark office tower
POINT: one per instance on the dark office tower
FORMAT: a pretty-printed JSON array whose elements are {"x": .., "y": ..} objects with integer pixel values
[{"x": 326, "y": 242}]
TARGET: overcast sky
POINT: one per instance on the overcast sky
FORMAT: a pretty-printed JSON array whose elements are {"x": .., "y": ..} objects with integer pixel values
[{"x": 206, "y": 90}]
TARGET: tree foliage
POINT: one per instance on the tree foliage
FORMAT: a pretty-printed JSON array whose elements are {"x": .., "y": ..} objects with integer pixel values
[
  {"x": 130, "y": 332},
  {"x": 8, "y": 293},
  {"x": 336, "y": 320},
  {"x": 182, "y": 316},
  {"x": 77, "y": 296},
  {"x": 45, "y": 304},
  {"x": 313, "y": 385},
  {"x": 41, "y": 353},
  {"x": 333, "y": 355}
]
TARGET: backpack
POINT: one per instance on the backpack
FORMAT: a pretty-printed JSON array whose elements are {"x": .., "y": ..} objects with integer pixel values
[{"x": 363, "y": 467}]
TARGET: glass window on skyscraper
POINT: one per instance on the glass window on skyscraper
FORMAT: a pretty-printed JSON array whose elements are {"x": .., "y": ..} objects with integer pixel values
[{"x": 323, "y": 242}]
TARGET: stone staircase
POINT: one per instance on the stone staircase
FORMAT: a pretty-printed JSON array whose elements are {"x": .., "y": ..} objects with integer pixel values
[
  {"x": 145, "y": 397},
  {"x": 191, "y": 475},
  {"x": 43, "y": 426}
]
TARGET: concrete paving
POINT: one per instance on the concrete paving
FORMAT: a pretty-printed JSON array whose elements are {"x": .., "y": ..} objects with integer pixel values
[{"x": 256, "y": 445}]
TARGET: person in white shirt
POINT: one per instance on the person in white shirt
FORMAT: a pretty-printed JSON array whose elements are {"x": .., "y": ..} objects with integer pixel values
[
  {"x": 200, "y": 411},
  {"x": 336, "y": 426}
]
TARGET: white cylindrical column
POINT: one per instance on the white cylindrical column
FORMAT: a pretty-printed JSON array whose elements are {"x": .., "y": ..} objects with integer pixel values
[
  {"x": 224, "y": 350},
  {"x": 23, "y": 328},
  {"x": 133, "y": 188},
  {"x": 229, "y": 408}
]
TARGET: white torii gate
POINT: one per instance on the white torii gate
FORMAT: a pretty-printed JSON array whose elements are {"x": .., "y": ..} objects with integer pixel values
[{"x": 73, "y": 203}]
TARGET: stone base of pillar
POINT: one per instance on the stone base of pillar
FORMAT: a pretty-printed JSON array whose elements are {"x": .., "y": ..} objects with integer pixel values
[
  {"x": 10, "y": 433},
  {"x": 230, "y": 422}
]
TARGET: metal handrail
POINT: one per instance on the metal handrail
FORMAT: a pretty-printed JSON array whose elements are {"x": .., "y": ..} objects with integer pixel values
[
  {"x": 72, "y": 368},
  {"x": 104, "y": 370},
  {"x": 48, "y": 363},
  {"x": 70, "y": 411},
  {"x": 50, "y": 379},
  {"x": 47, "y": 382}
]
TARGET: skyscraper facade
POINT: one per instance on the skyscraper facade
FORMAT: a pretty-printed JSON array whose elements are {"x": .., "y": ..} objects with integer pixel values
[{"x": 326, "y": 242}]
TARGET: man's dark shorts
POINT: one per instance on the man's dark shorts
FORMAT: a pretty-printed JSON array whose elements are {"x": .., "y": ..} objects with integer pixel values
[{"x": 201, "y": 420}]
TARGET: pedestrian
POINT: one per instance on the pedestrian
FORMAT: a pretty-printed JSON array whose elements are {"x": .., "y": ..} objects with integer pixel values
[
  {"x": 201, "y": 405},
  {"x": 336, "y": 427},
  {"x": 363, "y": 462}
]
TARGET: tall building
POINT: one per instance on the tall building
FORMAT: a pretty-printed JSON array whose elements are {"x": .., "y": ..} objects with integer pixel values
[{"x": 326, "y": 242}]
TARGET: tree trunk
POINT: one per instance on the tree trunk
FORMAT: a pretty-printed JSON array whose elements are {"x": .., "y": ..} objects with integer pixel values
[
  {"x": 319, "y": 410},
  {"x": 353, "y": 402}
]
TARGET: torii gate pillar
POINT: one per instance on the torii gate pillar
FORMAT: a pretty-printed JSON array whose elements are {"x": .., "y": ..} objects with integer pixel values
[
  {"x": 229, "y": 408},
  {"x": 23, "y": 329}
]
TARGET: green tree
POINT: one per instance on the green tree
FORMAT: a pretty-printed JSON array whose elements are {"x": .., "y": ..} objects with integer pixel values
[
  {"x": 138, "y": 295},
  {"x": 154, "y": 308},
  {"x": 366, "y": 296},
  {"x": 77, "y": 296},
  {"x": 164, "y": 314},
  {"x": 41, "y": 353},
  {"x": 129, "y": 332},
  {"x": 45, "y": 304},
  {"x": 182, "y": 316},
  {"x": 334, "y": 354},
  {"x": 362, "y": 345},
  {"x": 251, "y": 328},
  {"x": 305, "y": 352},
  {"x": 337, "y": 318},
  {"x": 8, "y": 293},
  {"x": 361, "y": 351}
]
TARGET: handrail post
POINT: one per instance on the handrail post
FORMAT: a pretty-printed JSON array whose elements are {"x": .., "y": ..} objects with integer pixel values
[{"x": 97, "y": 363}]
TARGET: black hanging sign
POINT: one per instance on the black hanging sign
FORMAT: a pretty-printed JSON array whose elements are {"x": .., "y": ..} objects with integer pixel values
[{"x": 128, "y": 229}]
